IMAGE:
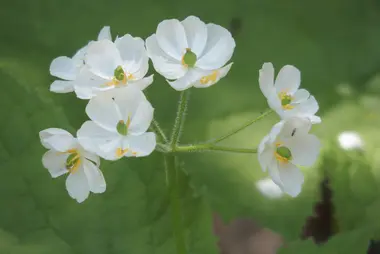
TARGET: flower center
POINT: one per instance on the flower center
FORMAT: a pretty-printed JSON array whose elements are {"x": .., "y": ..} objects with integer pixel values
[
  {"x": 120, "y": 152},
  {"x": 286, "y": 99},
  {"x": 119, "y": 73},
  {"x": 120, "y": 77},
  {"x": 282, "y": 153},
  {"x": 210, "y": 78},
  {"x": 122, "y": 127},
  {"x": 73, "y": 161},
  {"x": 189, "y": 58}
]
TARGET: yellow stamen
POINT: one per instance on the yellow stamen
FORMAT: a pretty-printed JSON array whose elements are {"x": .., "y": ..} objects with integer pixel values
[
  {"x": 134, "y": 153},
  {"x": 120, "y": 152},
  {"x": 116, "y": 82},
  {"x": 73, "y": 161},
  {"x": 210, "y": 78},
  {"x": 278, "y": 156},
  {"x": 286, "y": 99}
]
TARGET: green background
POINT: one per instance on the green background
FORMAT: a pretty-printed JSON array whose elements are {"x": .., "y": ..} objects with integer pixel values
[{"x": 335, "y": 44}]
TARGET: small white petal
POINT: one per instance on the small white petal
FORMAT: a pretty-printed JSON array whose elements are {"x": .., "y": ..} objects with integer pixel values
[
  {"x": 266, "y": 79},
  {"x": 187, "y": 81},
  {"x": 127, "y": 101},
  {"x": 219, "y": 48},
  {"x": 142, "y": 83},
  {"x": 57, "y": 139},
  {"x": 91, "y": 157},
  {"x": 87, "y": 84},
  {"x": 212, "y": 77},
  {"x": 171, "y": 37},
  {"x": 196, "y": 34},
  {"x": 105, "y": 34},
  {"x": 78, "y": 58},
  {"x": 300, "y": 96},
  {"x": 304, "y": 148},
  {"x": 265, "y": 153},
  {"x": 142, "y": 145},
  {"x": 95, "y": 177},
  {"x": 349, "y": 140},
  {"x": 63, "y": 67},
  {"x": 60, "y": 86},
  {"x": 291, "y": 178},
  {"x": 103, "y": 58},
  {"x": 142, "y": 118},
  {"x": 307, "y": 109},
  {"x": 164, "y": 64},
  {"x": 77, "y": 185},
  {"x": 288, "y": 79},
  {"x": 55, "y": 162},
  {"x": 295, "y": 126}
]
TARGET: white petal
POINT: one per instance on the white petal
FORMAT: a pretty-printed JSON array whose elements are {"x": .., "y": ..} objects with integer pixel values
[
  {"x": 78, "y": 58},
  {"x": 77, "y": 185},
  {"x": 55, "y": 162},
  {"x": 288, "y": 79},
  {"x": 196, "y": 34},
  {"x": 104, "y": 110},
  {"x": 98, "y": 140},
  {"x": 304, "y": 148},
  {"x": 265, "y": 153},
  {"x": 60, "y": 86},
  {"x": 315, "y": 119},
  {"x": 305, "y": 109},
  {"x": 187, "y": 81},
  {"x": 63, "y": 67},
  {"x": 295, "y": 126},
  {"x": 95, "y": 177},
  {"x": 219, "y": 48},
  {"x": 171, "y": 37},
  {"x": 266, "y": 79},
  {"x": 57, "y": 139},
  {"x": 291, "y": 178},
  {"x": 87, "y": 84},
  {"x": 274, "y": 172},
  {"x": 103, "y": 58},
  {"x": 134, "y": 55},
  {"x": 300, "y": 96},
  {"x": 127, "y": 100},
  {"x": 164, "y": 64},
  {"x": 91, "y": 157},
  {"x": 142, "y": 83},
  {"x": 142, "y": 118},
  {"x": 275, "y": 131},
  {"x": 105, "y": 34},
  {"x": 207, "y": 80},
  {"x": 142, "y": 145}
]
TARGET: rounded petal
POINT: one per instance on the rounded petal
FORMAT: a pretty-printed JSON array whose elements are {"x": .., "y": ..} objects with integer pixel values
[
  {"x": 95, "y": 177},
  {"x": 60, "y": 86},
  {"x": 55, "y": 162},
  {"x": 266, "y": 80},
  {"x": 288, "y": 79},
  {"x": 171, "y": 37},
  {"x": 127, "y": 100},
  {"x": 295, "y": 126},
  {"x": 57, "y": 139},
  {"x": 78, "y": 58},
  {"x": 142, "y": 118},
  {"x": 300, "y": 96},
  {"x": 96, "y": 139},
  {"x": 142, "y": 83},
  {"x": 211, "y": 77},
  {"x": 87, "y": 84},
  {"x": 219, "y": 48},
  {"x": 304, "y": 148},
  {"x": 105, "y": 34},
  {"x": 164, "y": 64},
  {"x": 77, "y": 185},
  {"x": 291, "y": 178},
  {"x": 103, "y": 58},
  {"x": 187, "y": 81},
  {"x": 307, "y": 109},
  {"x": 133, "y": 54},
  {"x": 265, "y": 153},
  {"x": 275, "y": 131},
  {"x": 196, "y": 34},
  {"x": 91, "y": 157},
  {"x": 64, "y": 67},
  {"x": 141, "y": 145}
]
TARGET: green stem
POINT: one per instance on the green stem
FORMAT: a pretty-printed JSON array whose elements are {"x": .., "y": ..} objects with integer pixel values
[
  {"x": 211, "y": 147},
  {"x": 175, "y": 204},
  {"x": 159, "y": 131},
  {"x": 180, "y": 118},
  {"x": 245, "y": 125}
]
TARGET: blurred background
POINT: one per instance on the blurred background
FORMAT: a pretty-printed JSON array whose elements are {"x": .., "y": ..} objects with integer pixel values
[{"x": 335, "y": 44}]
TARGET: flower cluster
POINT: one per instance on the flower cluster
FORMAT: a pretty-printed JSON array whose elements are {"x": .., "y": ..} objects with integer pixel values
[{"x": 112, "y": 75}]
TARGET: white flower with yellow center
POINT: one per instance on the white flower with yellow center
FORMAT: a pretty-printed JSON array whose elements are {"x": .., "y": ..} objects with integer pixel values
[
  {"x": 190, "y": 53},
  {"x": 112, "y": 65},
  {"x": 287, "y": 145},
  {"x": 284, "y": 95},
  {"x": 67, "y": 156},
  {"x": 120, "y": 119},
  {"x": 68, "y": 69}
]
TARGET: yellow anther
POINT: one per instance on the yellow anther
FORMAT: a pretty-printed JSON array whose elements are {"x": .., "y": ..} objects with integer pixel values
[{"x": 210, "y": 78}]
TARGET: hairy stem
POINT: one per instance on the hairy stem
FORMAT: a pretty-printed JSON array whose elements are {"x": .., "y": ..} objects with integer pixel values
[
  {"x": 211, "y": 147},
  {"x": 180, "y": 118},
  {"x": 159, "y": 131},
  {"x": 175, "y": 204}
]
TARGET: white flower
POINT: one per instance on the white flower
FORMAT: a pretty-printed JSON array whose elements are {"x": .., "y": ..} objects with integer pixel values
[
  {"x": 112, "y": 65},
  {"x": 120, "y": 119},
  {"x": 269, "y": 189},
  {"x": 284, "y": 95},
  {"x": 66, "y": 155},
  {"x": 350, "y": 140},
  {"x": 190, "y": 52},
  {"x": 67, "y": 68},
  {"x": 287, "y": 145}
]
